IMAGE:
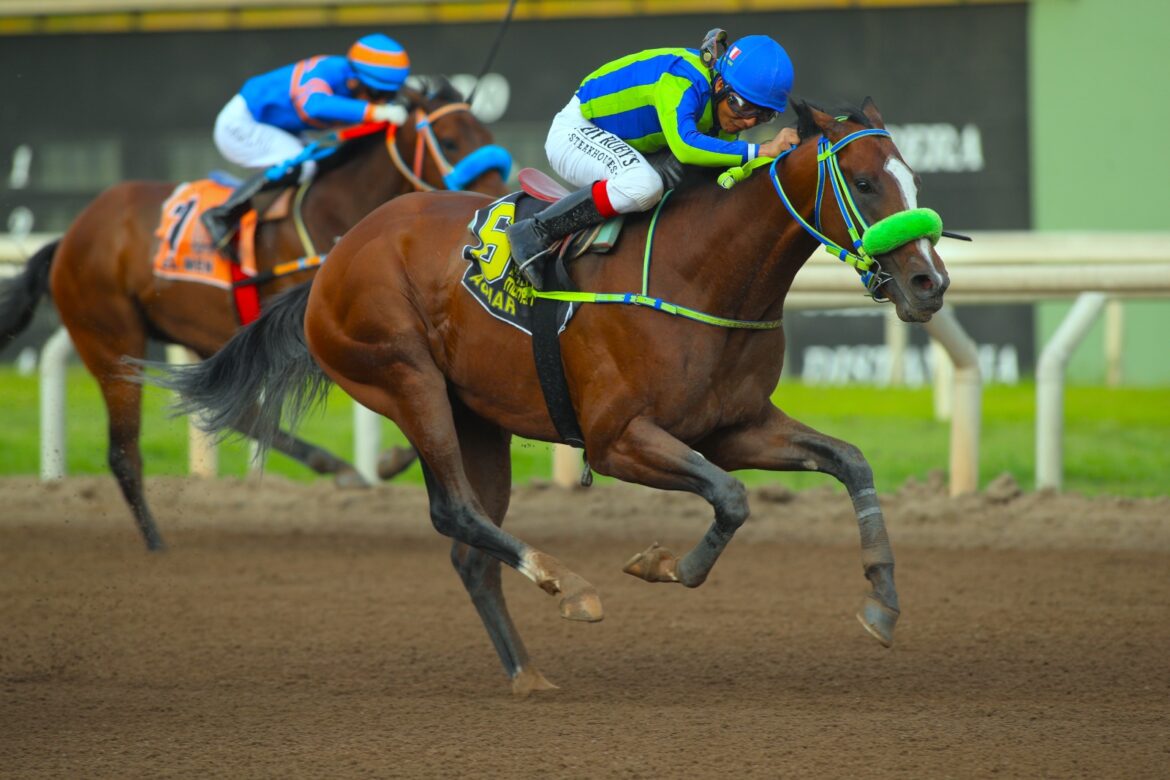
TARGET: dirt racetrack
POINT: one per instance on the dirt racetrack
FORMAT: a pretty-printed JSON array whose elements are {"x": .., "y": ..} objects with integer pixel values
[{"x": 299, "y": 631}]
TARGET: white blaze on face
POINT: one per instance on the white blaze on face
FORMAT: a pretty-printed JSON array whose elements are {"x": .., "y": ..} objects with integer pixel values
[{"x": 905, "y": 178}]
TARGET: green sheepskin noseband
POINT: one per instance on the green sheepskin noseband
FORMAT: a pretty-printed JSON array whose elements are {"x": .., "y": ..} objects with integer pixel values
[{"x": 899, "y": 229}]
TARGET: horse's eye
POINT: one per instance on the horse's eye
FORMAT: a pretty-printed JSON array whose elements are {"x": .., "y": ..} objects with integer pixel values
[
  {"x": 863, "y": 185},
  {"x": 449, "y": 146}
]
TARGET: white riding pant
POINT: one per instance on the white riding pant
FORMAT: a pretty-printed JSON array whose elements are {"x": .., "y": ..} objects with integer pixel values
[
  {"x": 251, "y": 144},
  {"x": 582, "y": 153}
]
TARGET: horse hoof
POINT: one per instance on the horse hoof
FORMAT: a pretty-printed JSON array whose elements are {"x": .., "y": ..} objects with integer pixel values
[
  {"x": 528, "y": 680},
  {"x": 349, "y": 479},
  {"x": 393, "y": 462},
  {"x": 580, "y": 601},
  {"x": 878, "y": 620},
  {"x": 654, "y": 564}
]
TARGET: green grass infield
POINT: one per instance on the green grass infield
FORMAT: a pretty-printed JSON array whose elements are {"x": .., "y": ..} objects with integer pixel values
[{"x": 1115, "y": 439}]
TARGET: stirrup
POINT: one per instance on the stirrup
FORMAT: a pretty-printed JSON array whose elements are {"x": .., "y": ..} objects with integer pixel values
[
  {"x": 219, "y": 231},
  {"x": 531, "y": 270}
]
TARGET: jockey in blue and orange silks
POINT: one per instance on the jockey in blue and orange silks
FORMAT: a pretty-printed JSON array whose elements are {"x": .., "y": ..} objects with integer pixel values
[
  {"x": 262, "y": 125},
  {"x": 675, "y": 106}
]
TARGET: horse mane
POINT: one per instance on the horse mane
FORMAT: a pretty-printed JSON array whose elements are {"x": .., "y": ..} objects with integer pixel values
[
  {"x": 350, "y": 149},
  {"x": 806, "y": 126}
]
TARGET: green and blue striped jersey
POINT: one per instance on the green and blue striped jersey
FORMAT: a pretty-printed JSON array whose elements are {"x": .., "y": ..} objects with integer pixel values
[{"x": 661, "y": 98}]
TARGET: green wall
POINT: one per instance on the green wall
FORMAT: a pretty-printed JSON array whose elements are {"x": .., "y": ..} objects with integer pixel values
[{"x": 1100, "y": 149}]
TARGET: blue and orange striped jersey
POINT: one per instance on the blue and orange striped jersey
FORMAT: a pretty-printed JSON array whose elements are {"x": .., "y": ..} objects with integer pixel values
[
  {"x": 311, "y": 93},
  {"x": 661, "y": 98}
]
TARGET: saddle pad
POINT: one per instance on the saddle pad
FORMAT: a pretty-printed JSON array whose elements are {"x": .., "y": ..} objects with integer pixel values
[
  {"x": 491, "y": 276},
  {"x": 493, "y": 279},
  {"x": 184, "y": 248}
]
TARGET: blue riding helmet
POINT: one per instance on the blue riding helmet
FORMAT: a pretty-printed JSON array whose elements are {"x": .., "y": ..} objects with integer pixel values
[
  {"x": 758, "y": 69},
  {"x": 380, "y": 62}
]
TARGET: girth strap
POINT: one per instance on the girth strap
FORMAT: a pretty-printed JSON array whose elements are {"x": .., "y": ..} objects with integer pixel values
[{"x": 546, "y": 350}]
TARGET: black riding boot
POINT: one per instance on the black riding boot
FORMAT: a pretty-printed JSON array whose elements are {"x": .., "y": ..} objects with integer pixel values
[
  {"x": 223, "y": 220},
  {"x": 529, "y": 238}
]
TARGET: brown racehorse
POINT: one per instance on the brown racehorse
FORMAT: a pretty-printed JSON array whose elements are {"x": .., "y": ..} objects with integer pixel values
[
  {"x": 101, "y": 277},
  {"x": 662, "y": 401}
]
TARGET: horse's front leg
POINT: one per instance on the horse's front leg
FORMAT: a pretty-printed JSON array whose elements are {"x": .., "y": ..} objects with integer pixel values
[
  {"x": 780, "y": 443},
  {"x": 648, "y": 455}
]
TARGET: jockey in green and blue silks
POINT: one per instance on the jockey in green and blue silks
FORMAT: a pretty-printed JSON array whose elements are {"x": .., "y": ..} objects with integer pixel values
[
  {"x": 664, "y": 101},
  {"x": 262, "y": 125}
]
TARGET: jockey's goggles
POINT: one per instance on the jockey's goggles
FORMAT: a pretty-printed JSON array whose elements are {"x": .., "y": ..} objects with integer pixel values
[{"x": 745, "y": 110}]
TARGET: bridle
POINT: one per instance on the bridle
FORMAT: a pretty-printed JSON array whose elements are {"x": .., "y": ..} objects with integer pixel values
[
  {"x": 455, "y": 177},
  {"x": 866, "y": 241}
]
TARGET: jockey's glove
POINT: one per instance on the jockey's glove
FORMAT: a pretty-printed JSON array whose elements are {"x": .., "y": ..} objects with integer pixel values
[
  {"x": 667, "y": 166},
  {"x": 390, "y": 112}
]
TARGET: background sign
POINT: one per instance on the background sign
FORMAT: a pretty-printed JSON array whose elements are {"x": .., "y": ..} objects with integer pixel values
[{"x": 86, "y": 111}]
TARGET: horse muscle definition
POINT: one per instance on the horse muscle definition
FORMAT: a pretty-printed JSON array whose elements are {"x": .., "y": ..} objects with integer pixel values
[
  {"x": 101, "y": 278},
  {"x": 662, "y": 401}
]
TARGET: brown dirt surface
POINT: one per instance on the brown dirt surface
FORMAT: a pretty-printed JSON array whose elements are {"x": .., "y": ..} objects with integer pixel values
[{"x": 294, "y": 630}]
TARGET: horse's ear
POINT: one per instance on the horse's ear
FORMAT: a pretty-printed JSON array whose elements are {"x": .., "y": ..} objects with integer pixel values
[
  {"x": 869, "y": 108},
  {"x": 814, "y": 121},
  {"x": 413, "y": 93},
  {"x": 444, "y": 89},
  {"x": 806, "y": 126}
]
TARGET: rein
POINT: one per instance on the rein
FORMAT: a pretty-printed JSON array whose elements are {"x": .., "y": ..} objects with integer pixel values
[{"x": 455, "y": 177}]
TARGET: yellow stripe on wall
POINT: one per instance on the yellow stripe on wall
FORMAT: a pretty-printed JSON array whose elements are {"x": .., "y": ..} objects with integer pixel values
[{"x": 241, "y": 14}]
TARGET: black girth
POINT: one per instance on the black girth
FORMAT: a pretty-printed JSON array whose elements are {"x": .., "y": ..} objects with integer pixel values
[{"x": 550, "y": 367}]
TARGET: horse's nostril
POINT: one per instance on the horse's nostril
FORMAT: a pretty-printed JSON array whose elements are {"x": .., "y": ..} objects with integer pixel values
[{"x": 924, "y": 283}]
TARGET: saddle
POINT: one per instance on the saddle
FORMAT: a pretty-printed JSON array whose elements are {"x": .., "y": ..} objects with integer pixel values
[{"x": 544, "y": 189}]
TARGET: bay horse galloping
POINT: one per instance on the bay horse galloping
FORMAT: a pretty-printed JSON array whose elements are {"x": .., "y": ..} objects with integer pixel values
[
  {"x": 673, "y": 402},
  {"x": 110, "y": 300}
]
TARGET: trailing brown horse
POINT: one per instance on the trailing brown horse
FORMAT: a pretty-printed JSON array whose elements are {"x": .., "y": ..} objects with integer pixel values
[
  {"x": 108, "y": 297},
  {"x": 665, "y": 401}
]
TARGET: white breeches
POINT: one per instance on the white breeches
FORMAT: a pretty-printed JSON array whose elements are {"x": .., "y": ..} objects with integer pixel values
[
  {"x": 582, "y": 153},
  {"x": 251, "y": 144}
]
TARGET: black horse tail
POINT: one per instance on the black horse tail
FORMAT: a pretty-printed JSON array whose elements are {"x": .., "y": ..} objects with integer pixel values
[
  {"x": 263, "y": 375},
  {"x": 20, "y": 295}
]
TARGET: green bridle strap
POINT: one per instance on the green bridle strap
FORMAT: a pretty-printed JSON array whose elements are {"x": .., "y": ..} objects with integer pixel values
[{"x": 645, "y": 299}]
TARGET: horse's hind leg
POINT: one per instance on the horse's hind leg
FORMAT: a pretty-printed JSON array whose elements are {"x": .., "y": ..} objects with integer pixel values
[
  {"x": 391, "y": 462},
  {"x": 783, "y": 444},
  {"x": 319, "y": 459},
  {"x": 489, "y": 469},
  {"x": 648, "y": 455},
  {"x": 102, "y": 356},
  {"x": 411, "y": 391}
]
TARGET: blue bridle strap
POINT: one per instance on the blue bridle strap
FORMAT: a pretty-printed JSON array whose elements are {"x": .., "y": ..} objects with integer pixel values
[{"x": 828, "y": 169}]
